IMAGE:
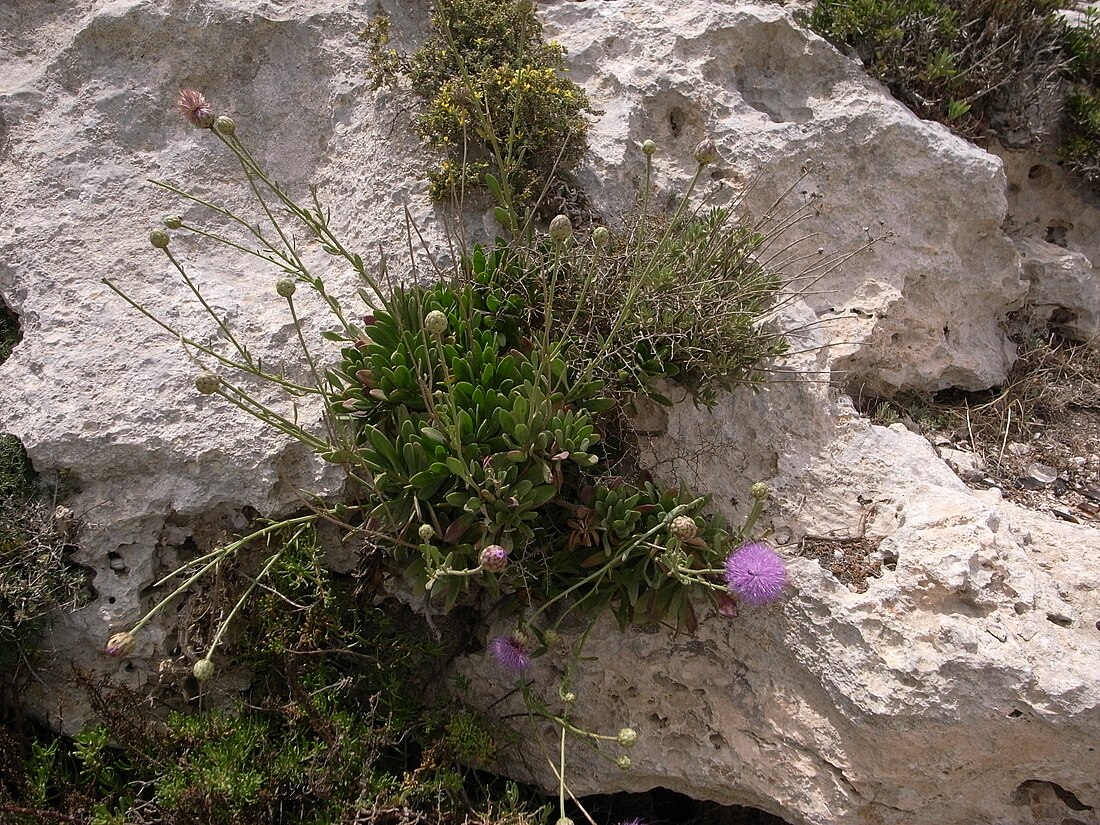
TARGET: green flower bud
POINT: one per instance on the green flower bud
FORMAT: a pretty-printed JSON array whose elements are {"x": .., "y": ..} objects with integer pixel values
[
  {"x": 203, "y": 670},
  {"x": 760, "y": 491},
  {"x": 225, "y": 125},
  {"x": 648, "y": 148},
  {"x": 173, "y": 222},
  {"x": 627, "y": 737},
  {"x": 600, "y": 236},
  {"x": 569, "y": 697},
  {"x": 285, "y": 287},
  {"x": 435, "y": 322},
  {"x": 624, "y": 763},
  {"x": 706, "y": 152},
  {"x": 207, "y": 382},
  {"x": 561, "y": 229},
  {"x": 426, "y": 532},
  {"x": 159, "y": 238}
]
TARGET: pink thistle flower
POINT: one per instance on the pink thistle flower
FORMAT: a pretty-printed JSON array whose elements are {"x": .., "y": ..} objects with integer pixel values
[
  {"x": 755, "y": 573},
  {"x": 510, "y": 653},
  {"x": 193, "y": 106}
]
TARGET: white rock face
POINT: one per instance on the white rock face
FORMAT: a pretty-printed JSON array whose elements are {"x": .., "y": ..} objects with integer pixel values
[{"x": 962, "y": 687}]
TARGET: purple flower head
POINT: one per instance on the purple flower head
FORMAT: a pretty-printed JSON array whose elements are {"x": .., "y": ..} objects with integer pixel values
[
  {"x": 193, "y": 106},
  {"x": 510, "y": 653},
  {"x": 755, "y": 573}
]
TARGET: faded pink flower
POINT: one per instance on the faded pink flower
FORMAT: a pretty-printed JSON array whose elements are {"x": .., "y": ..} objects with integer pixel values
[
  {"x": 193, "y": 106},
  {"x": 510, "y": 653}
]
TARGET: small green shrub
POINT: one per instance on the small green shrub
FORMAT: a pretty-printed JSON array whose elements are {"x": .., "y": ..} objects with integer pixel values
[
  {"x": 979, "y": 66},
  {"x": 10, "y": 334},
  {"x": 1080, "y": 150},
  {"x": 1080, "y": 147},
  {"x": 494, "y": 98},
  {"x": 36, "y": 577}
]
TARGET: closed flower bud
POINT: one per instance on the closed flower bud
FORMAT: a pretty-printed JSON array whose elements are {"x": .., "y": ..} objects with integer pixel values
[
  {"x": 435, "y": 322},
  {"x": 207, "y": 382},
  {"x": 561, "y": 229},
  {"x": 600, "y": 236},
  {"x": 285, "y": 287},
  {"x": 426, "y": 532},
  {"x": 627, "y": 737},
  {"x": 203, "y": 670},
  {"x": 569, "y": 697},
  {"x": 648, "y": 148},
  {"x": 683, "y": 528},
  {"x": 159, "y": 238},
  {"x": 706, "y": 152},
  {"x": 760, "y": 491},
  {"x": 173, "y": 222},
  {"x": 225, "y": 125},
  {"x": 493, "y": 559},
  {"x": 624, "y": 763},
  {"x": 121, "y": 644},
  {"x": 564, "y": 821}
]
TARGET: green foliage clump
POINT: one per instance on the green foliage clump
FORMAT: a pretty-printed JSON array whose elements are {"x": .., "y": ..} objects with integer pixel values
[
  {"x": 494, "y": 98},
  {"x": 1080, "y": 149},
  {"x": 979, "y": 66},
  {"x": 36, "y": 577},
  {"x": 348, "y": 733},
  {"x": 489, "y": 430},
  {"x": 10, "y": 334}
]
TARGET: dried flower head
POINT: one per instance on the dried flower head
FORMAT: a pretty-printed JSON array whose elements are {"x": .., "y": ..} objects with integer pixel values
[
  {"x": 193, "y": 106},
  {"x": 683, "y": 528},
  {"x": 121, "y": 644},
  {"x": 510, "y": 653},
  {"x": 755, "y": 573},
  {"x": 493, "y": 558}
]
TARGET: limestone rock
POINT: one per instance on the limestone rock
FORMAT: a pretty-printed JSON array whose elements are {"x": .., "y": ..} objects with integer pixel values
[{"x": 961, "y": 687}]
